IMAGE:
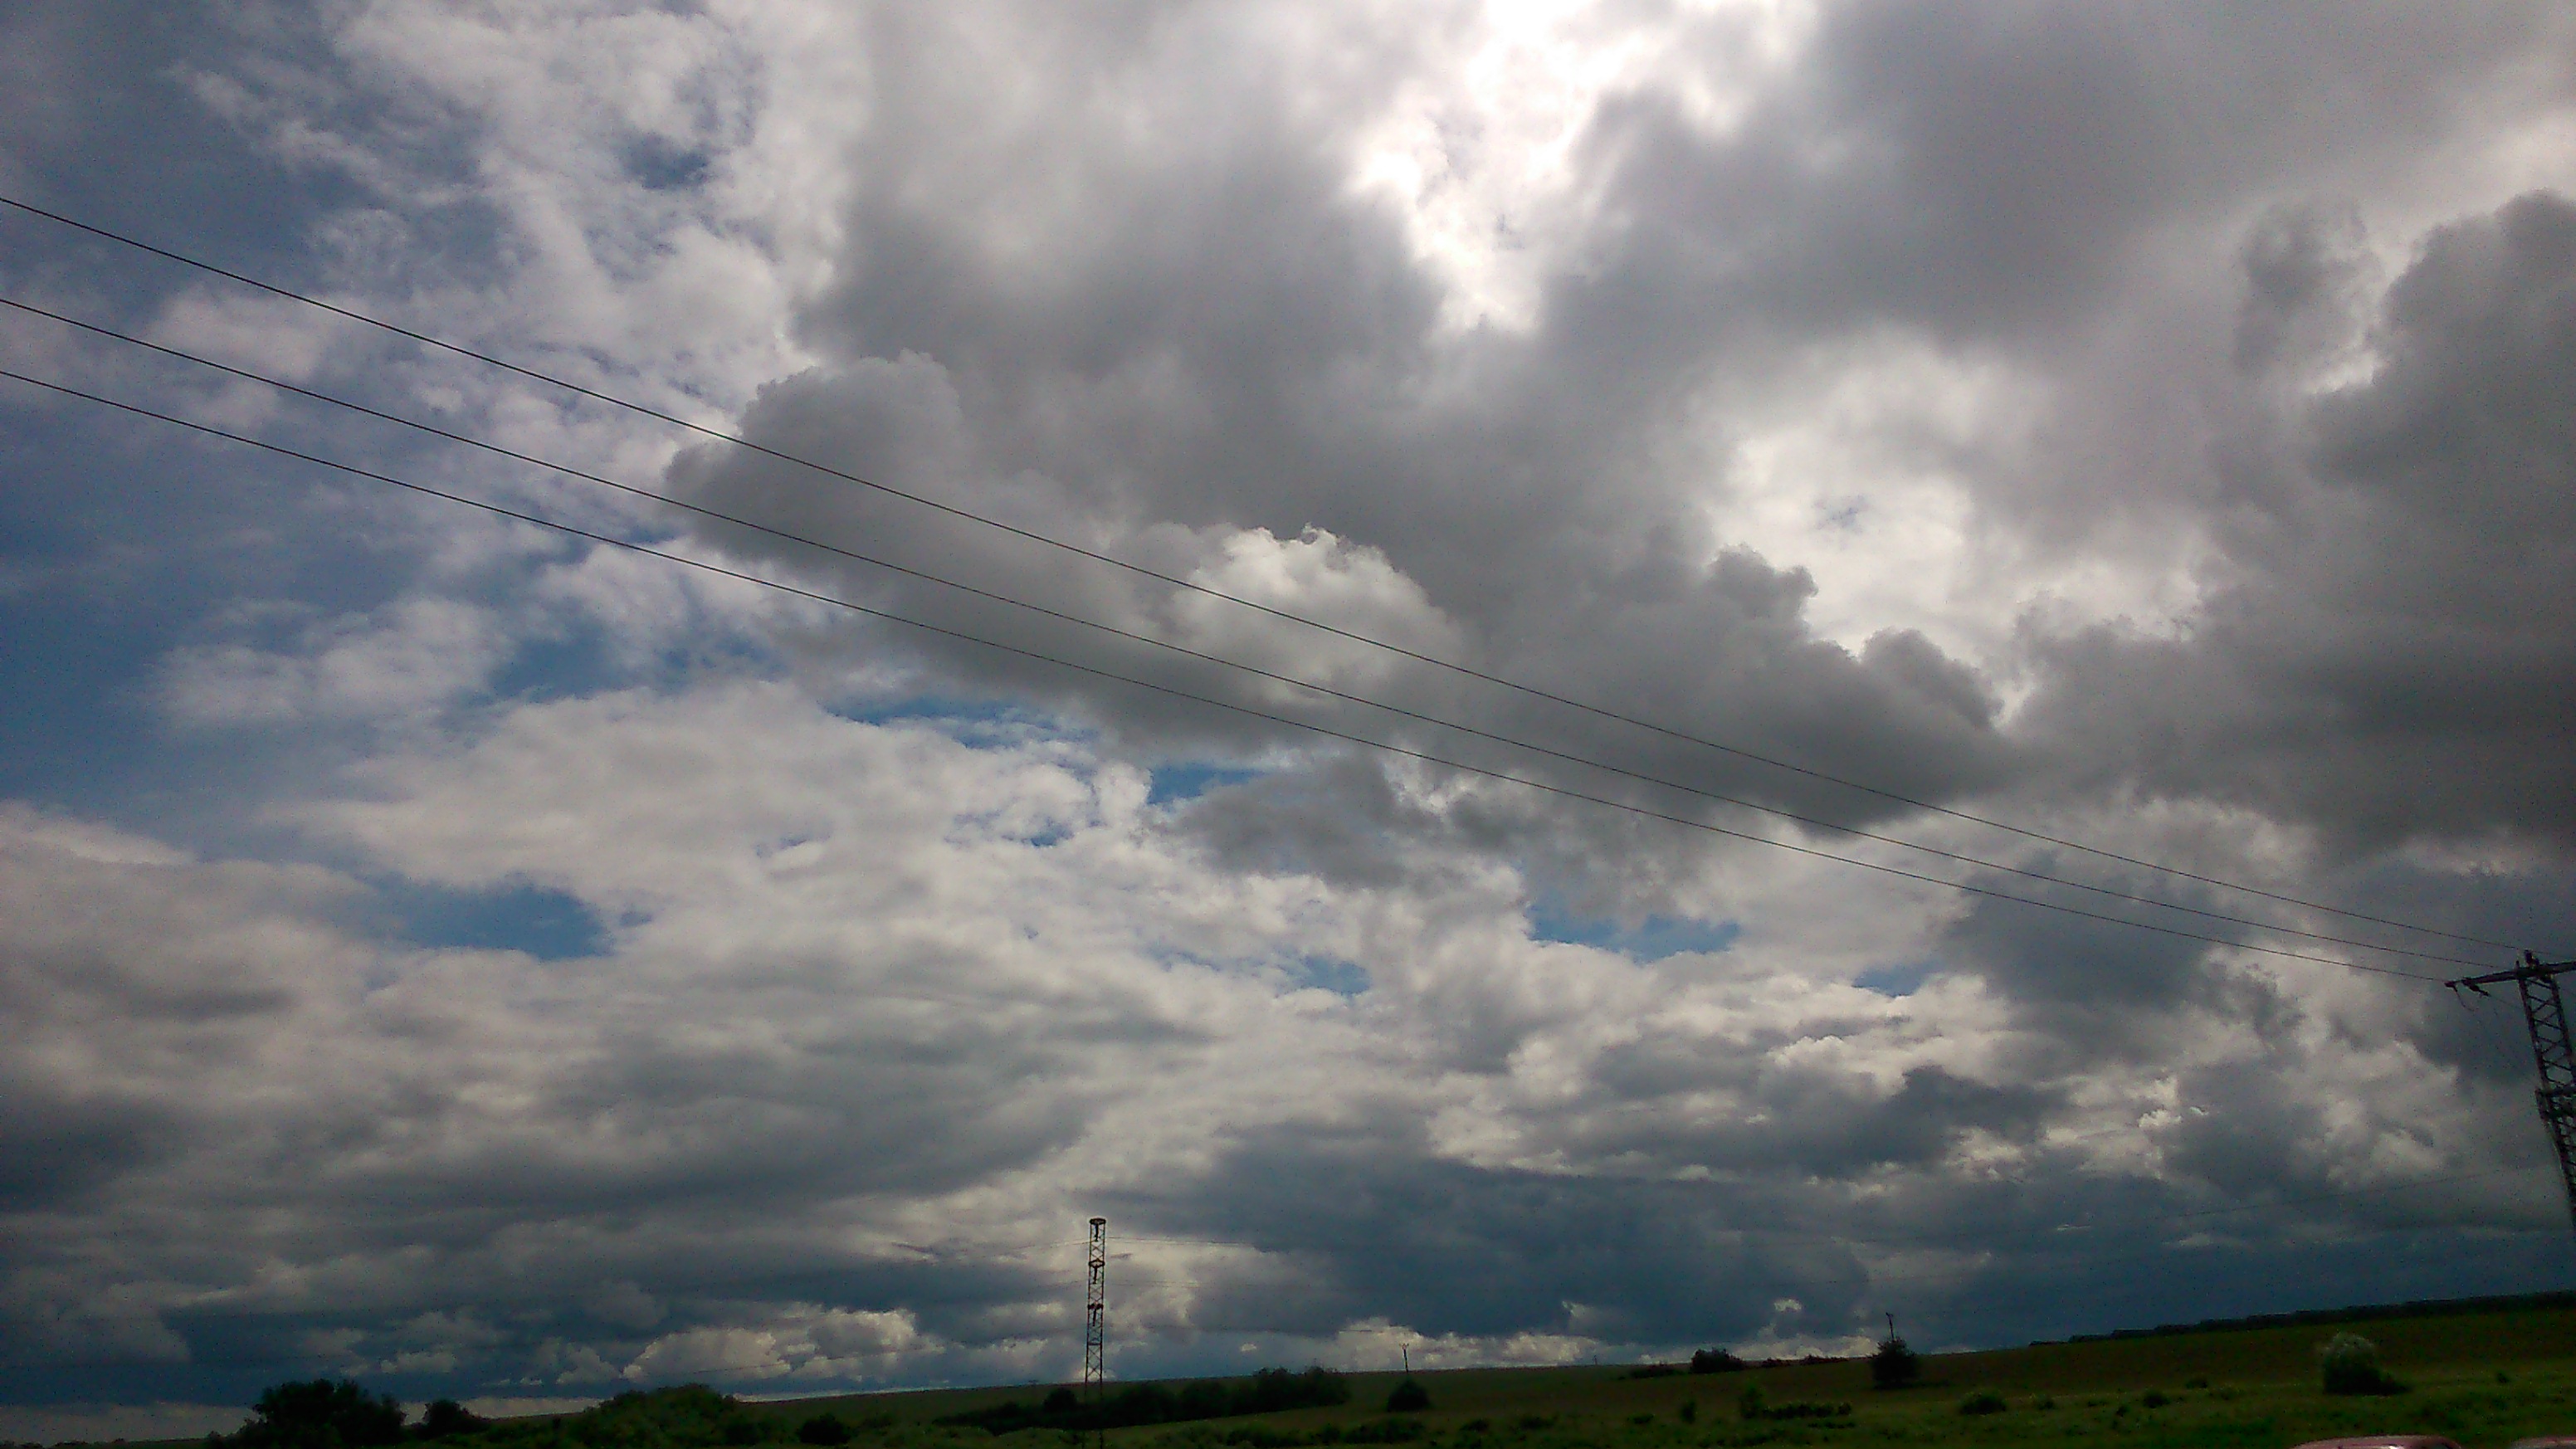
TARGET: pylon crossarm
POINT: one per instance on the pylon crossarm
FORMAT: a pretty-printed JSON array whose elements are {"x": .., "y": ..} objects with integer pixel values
[{"x": 2531, "y": 966}]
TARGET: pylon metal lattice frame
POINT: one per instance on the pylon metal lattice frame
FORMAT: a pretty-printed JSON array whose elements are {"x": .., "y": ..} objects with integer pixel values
[
  {"x": 2553, "y": 1051},
  {"x": 1095, "y": 1312}
]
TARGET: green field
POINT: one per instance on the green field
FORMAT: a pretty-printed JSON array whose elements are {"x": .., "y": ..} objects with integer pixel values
[{"x": 2483, "y": 1378}]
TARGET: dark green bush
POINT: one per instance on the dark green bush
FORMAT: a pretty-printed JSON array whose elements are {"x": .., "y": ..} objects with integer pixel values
[
  {"x": 1894, "y": 1365},
  {"x": 826, "y": 1429},
  {"x": 1715, "y": 1361},
  {"x": 1983, "y": 1401},
  {"x": 320, "y": 1414},
  {"x": 1409, "y": 1397},
  {"x": 446, "y": 1418},
  {"x": 2349, "y": 1364}
]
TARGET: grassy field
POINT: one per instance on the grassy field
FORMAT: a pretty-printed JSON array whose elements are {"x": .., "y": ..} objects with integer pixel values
[{"x": 2483, "y": 1378}]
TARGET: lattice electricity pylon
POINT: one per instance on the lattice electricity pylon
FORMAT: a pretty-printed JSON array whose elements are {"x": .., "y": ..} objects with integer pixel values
[
  {"x": 1095, "y": 1312},
  {"x": 2553, "y": 1051}
]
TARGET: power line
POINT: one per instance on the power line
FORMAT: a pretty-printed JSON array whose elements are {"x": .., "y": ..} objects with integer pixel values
[
  {"x": 1327, "y": 731},
  {"x": 1516, "y": 742},
  {"x": 1467, "y": 671}
]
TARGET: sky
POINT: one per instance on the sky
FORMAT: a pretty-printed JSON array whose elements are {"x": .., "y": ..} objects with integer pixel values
[{"x": 2121, "y": 459}]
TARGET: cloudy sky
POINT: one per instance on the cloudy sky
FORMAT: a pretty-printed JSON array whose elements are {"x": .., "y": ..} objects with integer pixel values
[{"x": 488, "y": 961}]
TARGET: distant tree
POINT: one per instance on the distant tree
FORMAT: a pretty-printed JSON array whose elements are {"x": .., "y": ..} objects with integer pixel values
[
  {"x": 823, "y": 1429},
  {"x": 1894, "y": 1365},
  {"x": 1204, "y": 1399},
  {"x": 321, "y": 1414},
  {"x": 446, "y": 1418},
  {"x": 1409, "y": 1398},
  {"x": 1060, "y": 1400},
  {"x": 2350, "y": 1365},
  {"x": 1715, "y": 1361}
]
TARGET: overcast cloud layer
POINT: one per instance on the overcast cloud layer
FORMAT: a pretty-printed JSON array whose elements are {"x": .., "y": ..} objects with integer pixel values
[{"x": 491, "y": 964}]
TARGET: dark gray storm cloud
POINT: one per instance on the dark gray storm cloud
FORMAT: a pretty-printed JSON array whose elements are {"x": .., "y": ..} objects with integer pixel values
[{"x": 2386, "y": 653}]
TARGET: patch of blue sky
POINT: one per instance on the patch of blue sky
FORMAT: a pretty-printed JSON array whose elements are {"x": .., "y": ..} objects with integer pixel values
[
  {"x": 1327, "y": 973},
  {"x": 573, "y": 663},
  {"x": 1173, "y": 784},
  {"x": 1902, "y": 979},
  {"x": 546, "y": 924},
  {"x": 1651, "y": 939},
  {"x": 976, "y": 723},
  {"x": 1300, "y": 973}
]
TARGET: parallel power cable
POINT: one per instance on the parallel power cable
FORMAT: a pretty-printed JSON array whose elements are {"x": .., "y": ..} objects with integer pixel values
[
  {"x": 1326, "y": 731},
  {"x": 1140, "y": 570},
  {"x": 467, "y": 440}
]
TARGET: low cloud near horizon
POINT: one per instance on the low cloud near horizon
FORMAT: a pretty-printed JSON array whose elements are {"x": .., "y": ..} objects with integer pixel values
[{"x": 493, "y": 965}]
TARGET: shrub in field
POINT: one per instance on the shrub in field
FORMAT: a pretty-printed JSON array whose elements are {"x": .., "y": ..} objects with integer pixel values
[
  {"x": 1688, "y": 1413},
  {"x": 2153, "y": 1399},
  {"x": 2349, "y": 1364},
  {"x": 445, "y": 1419},
  {"x": 1894, "y": 1365},
  {"x": 2042, "y": 1402},
  {"x": 1409, "y": 1398},
  {"x": 1715, "y": 1361},
  {"x": 322, "y": 1414},
  {"x": 826, "y": 1429},
  {"x": 1983, "y": 1401}
]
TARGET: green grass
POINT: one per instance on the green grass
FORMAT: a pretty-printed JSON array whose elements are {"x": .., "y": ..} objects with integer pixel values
[
  {"x": 2483, "y": 1378},
  {"x": 2223, "y": 1389}
]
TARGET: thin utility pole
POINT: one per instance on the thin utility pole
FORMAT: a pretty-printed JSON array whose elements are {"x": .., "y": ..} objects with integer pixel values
[{"x": 2553, "y": 1051}]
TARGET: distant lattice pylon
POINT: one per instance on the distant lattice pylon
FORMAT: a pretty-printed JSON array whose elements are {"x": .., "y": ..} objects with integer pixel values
[
  {"x": 2553, "y": 1052},
  {"x": 1095, "y": 1312}
]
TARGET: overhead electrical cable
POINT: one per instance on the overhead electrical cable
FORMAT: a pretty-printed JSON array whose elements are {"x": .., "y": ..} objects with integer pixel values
[
  {"x": 1326, "y": 731},
  {"x": 1141, "y": 570},
  {"x": 1512, "y": 741}
]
